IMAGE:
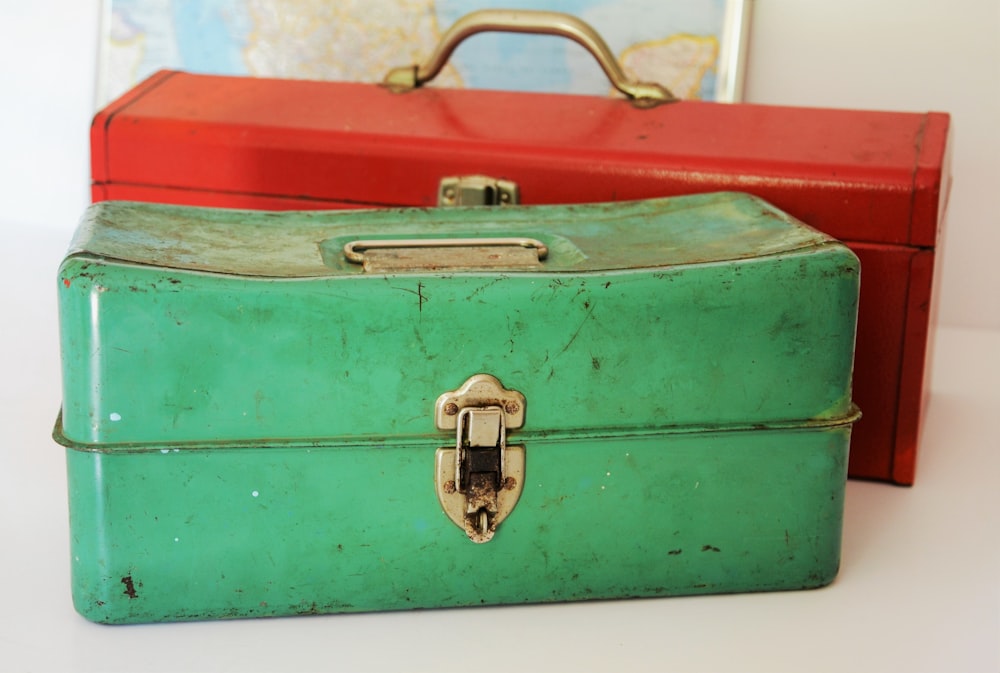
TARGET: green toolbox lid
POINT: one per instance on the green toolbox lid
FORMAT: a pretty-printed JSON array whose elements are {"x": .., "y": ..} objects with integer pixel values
[{"x": 211, "y": 327}]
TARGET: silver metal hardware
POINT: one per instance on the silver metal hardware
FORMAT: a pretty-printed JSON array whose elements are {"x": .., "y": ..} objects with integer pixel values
[
  {"x": 477, "y": 190},
  {"x": 409, "y": 77},
  {"x": 432, "y": 254},
  {"x": 479, "y": 481}
]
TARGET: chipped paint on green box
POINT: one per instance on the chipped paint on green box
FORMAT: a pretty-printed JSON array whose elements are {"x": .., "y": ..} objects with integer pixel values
[{"x": 249, "y": 418}]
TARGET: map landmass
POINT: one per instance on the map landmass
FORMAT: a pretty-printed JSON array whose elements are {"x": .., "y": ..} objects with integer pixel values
[{"x": 679, "y": 62}]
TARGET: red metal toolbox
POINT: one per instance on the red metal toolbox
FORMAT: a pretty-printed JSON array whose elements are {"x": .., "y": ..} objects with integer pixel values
[{"x": 876, "y": 180}]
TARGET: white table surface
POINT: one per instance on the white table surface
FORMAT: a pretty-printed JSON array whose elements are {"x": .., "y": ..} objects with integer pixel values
[{"x": 919, "y": 587}]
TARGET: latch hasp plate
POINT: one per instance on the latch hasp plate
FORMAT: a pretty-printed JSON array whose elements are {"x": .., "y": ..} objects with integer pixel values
[{"x": 481, "y": 412}]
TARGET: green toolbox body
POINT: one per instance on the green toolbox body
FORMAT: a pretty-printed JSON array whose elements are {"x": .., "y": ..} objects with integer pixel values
[{"x": 294, "y": 413}]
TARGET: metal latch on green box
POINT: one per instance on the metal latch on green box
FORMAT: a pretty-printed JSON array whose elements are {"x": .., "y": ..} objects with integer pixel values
[{"x": 480, "y": 479}]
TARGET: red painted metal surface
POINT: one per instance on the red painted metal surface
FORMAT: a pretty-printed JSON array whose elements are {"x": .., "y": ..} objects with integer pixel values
[{"x": 876, "y": 180}]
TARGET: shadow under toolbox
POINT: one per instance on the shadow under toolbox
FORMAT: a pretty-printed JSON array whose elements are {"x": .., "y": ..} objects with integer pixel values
[{"x": 305, "y": 412}]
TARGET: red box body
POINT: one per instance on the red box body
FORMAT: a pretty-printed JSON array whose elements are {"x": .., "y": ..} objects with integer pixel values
[{"x": 875, "y": 180}]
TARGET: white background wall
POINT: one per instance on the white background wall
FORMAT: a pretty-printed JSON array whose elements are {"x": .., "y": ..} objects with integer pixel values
[{"x": 913, "y": 55}]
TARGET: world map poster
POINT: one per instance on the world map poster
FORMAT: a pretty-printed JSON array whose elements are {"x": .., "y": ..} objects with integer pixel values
[{"x": 694, "y": 48}]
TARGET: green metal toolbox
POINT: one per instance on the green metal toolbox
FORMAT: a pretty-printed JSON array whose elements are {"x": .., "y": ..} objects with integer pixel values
[{"x": 290, "y": 413}]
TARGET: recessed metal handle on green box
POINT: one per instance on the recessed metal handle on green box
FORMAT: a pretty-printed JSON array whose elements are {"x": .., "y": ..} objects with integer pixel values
[{"x": 411, "y": 254}]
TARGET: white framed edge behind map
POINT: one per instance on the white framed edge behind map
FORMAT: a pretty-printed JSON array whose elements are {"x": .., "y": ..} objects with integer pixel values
[
  {"x": 732, "y": 61},
  {"x": 697, "y": 48}
]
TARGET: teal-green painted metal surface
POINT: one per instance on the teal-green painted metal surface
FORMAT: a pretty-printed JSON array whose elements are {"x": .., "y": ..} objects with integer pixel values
[{"x": 249, "y": 417}]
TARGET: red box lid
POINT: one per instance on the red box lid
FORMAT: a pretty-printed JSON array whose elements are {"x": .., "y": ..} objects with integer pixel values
[{"x": 858, "y": 175}]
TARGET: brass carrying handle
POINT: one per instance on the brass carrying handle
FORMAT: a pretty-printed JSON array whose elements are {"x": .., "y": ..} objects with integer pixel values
[{"x": 643, "y": 94}]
